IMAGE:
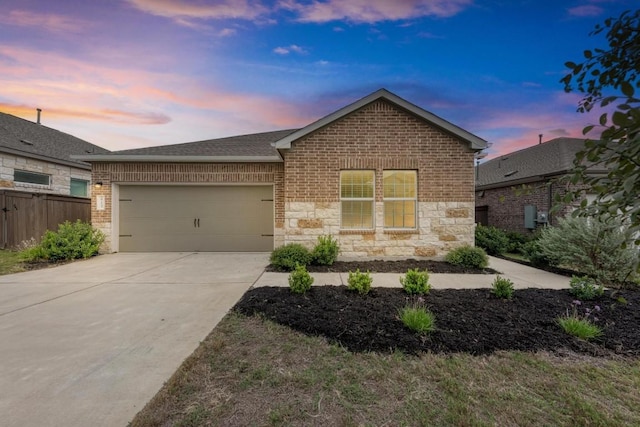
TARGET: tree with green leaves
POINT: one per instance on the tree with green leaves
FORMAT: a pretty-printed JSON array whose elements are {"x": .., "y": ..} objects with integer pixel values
[{"x": 610, "y": 81}]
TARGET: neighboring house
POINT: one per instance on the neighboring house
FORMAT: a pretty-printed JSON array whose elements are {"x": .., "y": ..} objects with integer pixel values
[
  {"x": 516, "y": 191},
  {"x": 383, "y": 176},
  {"x": 41, "y": 186},
  {"x": 37, "y": 159}
]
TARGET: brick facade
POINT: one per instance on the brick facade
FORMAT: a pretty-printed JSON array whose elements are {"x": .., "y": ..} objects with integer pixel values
[
  {"x": 506, "y": 204},
  {"x": 188, "y": 173},
  {"x": 380, "y": 136}
]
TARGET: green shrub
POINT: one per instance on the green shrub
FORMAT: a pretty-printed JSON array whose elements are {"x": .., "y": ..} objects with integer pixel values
[
  {"x": 360, "y": 282},
  {"x": 493, "y": 240},
  {"x": 416, "y": 282},
  {"x": 326, "y": 251},
  {"x": 300, "y": 280},
  {"x": 502, "y": 288},
  {"x": 418, "y": 319},
  {"x": 516, "y": 241},
  {"x": 602, "y": 249},
  {"x": 73, "y": 240},
  {"x": 532, "y": 251},
  {"x": 285, "y": 258},
  {"x": 468, "y": 256},
  {"x": 585, "y": 288}
]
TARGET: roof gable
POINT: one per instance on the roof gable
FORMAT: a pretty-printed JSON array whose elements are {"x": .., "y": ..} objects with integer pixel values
[
  {"x": 28, "y": 139},
  {"x": 475, "y": 142}
]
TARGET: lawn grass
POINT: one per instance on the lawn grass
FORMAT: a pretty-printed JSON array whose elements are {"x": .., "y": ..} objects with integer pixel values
[
  {"x": 250, "y": 371},
  {"x": 10, "y": 262}
]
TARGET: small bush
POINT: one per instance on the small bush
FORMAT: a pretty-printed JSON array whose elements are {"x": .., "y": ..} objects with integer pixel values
[
  {"x": 300, "y": 280},
  {"x": 418, "y": 319},
  {"x": 326, "y": 251},
  {"x": 585, "y": 288},
  {"x": 502, "y": 288},
  {"x": 360, "y": 282},
  {"x": 516, "y": 241},
  {"x": 532, "y": 251},
  {"x": 468, "y": 256},
  {"x": 578, "y": 327},
  {"x": 493, "y": 240},
  {"x": 285, "y": 258},
  {"x": 73, "y": 240},
  {"x": 416, "y": 282}
]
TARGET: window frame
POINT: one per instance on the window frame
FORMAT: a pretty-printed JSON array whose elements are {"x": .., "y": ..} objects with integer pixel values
[
  {"x": 371, "y": 200},
  {"x": 25, "y": 180},
  {"x": 413, "y": 199},
  {"x": 78, "y": 180}
]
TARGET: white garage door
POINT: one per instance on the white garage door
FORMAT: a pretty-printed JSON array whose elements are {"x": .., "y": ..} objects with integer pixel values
[{"x": 196, "y": 218}]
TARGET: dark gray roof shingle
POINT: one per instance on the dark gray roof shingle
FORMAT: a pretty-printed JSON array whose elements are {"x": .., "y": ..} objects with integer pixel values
[
  {"x": 257, "y": 144},
  {"x": 23, "y": 137},
  {"x": 549, "y": 158}
]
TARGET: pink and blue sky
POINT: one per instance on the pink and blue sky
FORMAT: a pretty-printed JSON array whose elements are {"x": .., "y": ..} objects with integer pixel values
[{"x": 133, "y": 73}]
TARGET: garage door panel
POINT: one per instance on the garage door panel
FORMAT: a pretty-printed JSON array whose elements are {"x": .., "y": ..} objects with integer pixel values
[{"x": 196, "y": 218}]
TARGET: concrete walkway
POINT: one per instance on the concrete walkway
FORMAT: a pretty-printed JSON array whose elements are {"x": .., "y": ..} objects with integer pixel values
[
  {"x": 91, "y": 342},
  {"x": 521, "y": 275}
]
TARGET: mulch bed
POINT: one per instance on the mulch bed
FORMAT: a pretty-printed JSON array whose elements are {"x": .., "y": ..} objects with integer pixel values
[
  {"x": 393, "y": 266},
  {"x": 467, "y": 320}
]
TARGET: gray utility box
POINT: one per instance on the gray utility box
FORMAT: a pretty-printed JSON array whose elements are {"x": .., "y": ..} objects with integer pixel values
[{"x": 530, "y": 216}]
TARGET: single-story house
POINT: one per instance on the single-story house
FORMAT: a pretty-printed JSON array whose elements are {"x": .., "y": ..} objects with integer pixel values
[
  {"x": 382, "y": 175},
  {"x": 516, "y": 191},
  {"x": 37, "y": 159},
  {"x": 41, "y": 186}
]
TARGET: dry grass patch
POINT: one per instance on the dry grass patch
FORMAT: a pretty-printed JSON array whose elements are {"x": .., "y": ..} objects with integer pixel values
[{"x": 251, "y": 371}]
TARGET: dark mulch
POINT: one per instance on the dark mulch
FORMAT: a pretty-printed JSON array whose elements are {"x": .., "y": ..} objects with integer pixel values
[
  {"x": 393, "y": 266},
  {"x": 468, "y": 320}
]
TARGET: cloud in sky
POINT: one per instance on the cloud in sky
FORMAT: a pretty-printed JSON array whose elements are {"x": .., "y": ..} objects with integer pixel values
[
  {"x": 183, "y": 11},
  {"x": 285, "y": 50},
  {"x": 47, "y": 21},
  {"x": 585, "y": 10},
  {"x": 372, "y": 11}
]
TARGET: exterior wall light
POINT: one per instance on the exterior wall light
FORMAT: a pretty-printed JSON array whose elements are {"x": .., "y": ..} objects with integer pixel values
[{"x": 98, "y": 184}]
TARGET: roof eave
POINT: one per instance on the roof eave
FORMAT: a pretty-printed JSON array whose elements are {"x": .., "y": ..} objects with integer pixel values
[
  {"x": 48, "y": 159},
  {"x": 529, "y": 179},
  {"x": 98, "y": 158},
  {"x": 475, "y": 143}
]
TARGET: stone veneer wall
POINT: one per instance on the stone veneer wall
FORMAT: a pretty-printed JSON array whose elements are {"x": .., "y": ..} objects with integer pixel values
[
  {"x": 60, "y": 182},
  {"x": 183, "y": 173},
  {"x": 442, "y": 226},
  {"x": 380, "y": 136}
]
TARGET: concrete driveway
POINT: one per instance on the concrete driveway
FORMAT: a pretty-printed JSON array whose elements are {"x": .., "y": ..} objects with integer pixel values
[{"x": 89, "y": 343}]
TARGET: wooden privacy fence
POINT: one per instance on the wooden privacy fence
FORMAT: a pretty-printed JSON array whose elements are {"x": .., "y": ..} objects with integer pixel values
[{"x": 26, "y": 215}]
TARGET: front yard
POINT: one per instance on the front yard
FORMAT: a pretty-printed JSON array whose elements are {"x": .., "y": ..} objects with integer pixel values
[
  {"x": 333, "y": 357},
  {"x": 252, "y": 371}
]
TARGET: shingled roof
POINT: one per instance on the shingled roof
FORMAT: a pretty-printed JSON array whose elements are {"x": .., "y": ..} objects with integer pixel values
[
  {"x": 252, "y": 147},
  {"x": 28, "y": 139},
  {"x": 535, "y": 163}
]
